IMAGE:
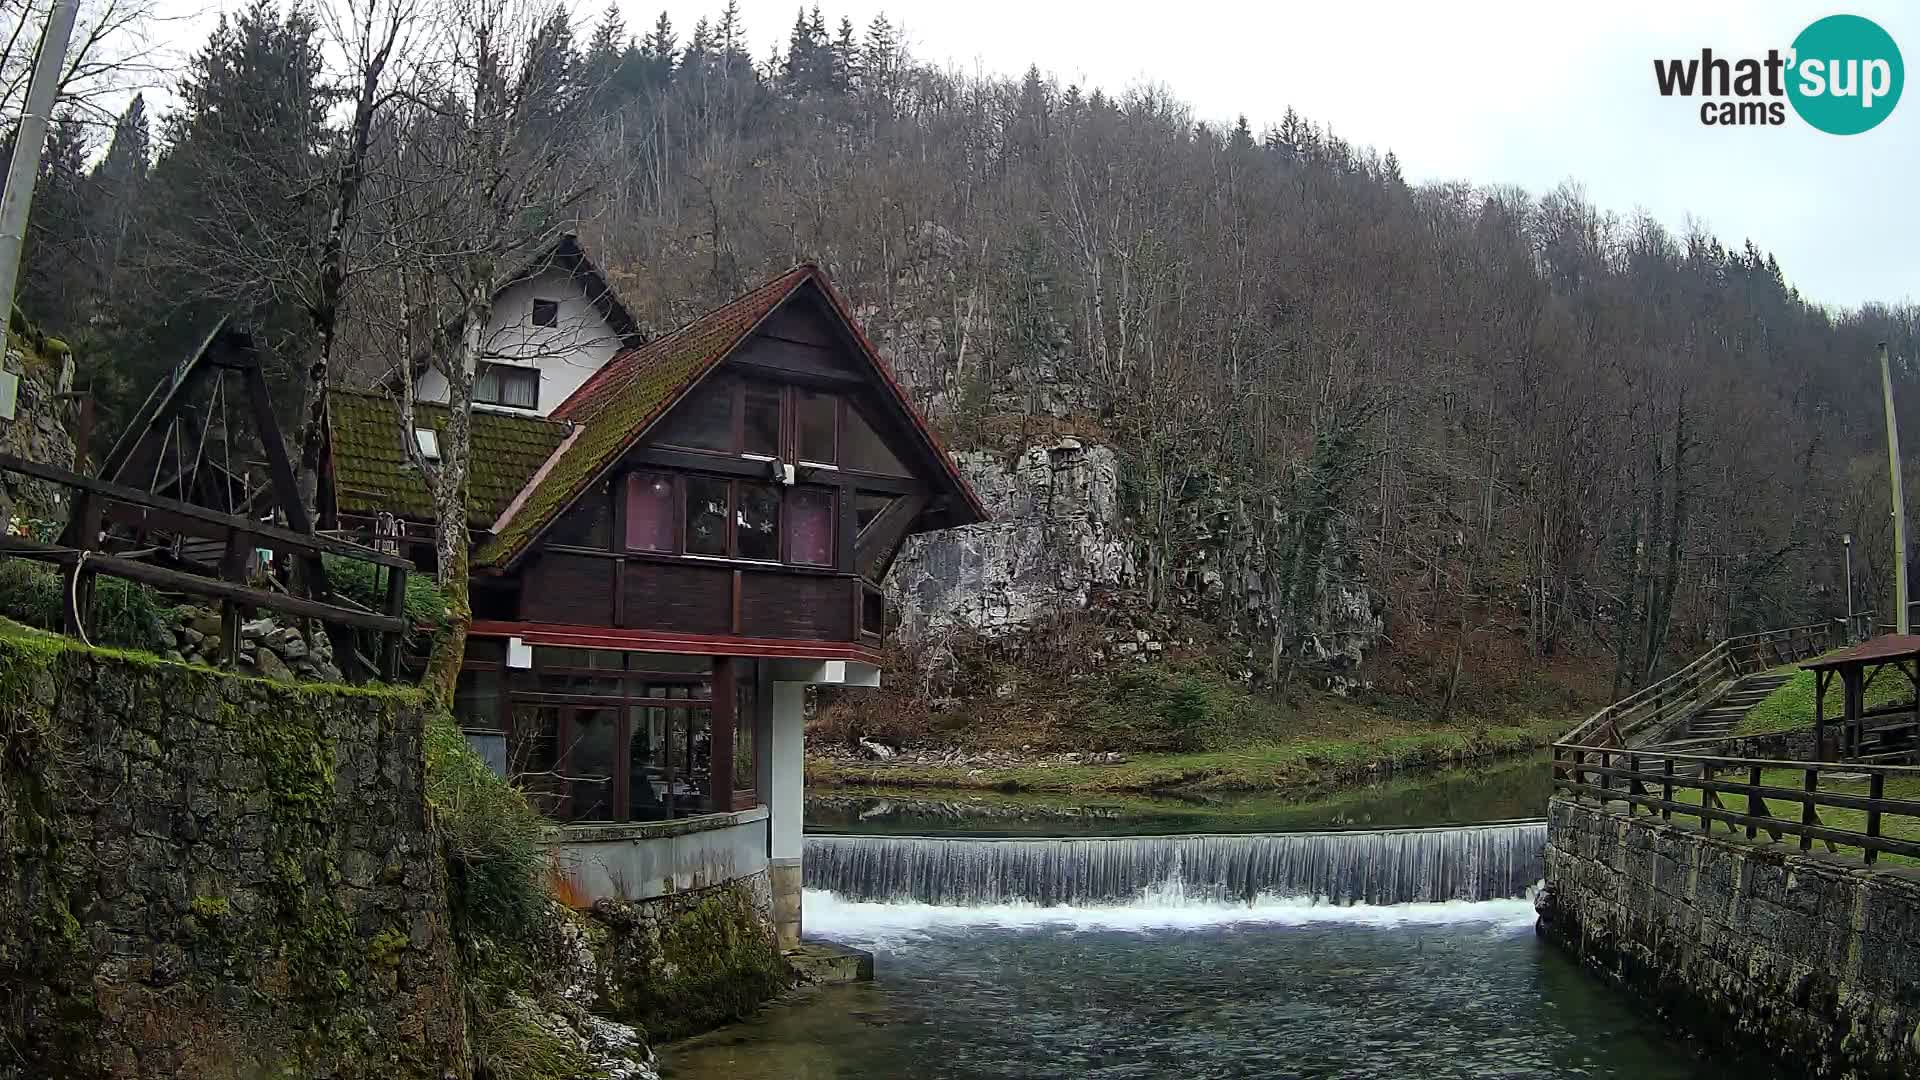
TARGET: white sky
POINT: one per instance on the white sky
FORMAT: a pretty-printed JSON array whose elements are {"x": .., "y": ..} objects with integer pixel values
[{"x": 1491, "y": 92}]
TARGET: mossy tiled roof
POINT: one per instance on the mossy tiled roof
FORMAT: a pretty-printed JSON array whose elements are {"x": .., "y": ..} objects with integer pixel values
[
  {"x": 624, "y": 398},
  {"x": 372, "y": 473}
]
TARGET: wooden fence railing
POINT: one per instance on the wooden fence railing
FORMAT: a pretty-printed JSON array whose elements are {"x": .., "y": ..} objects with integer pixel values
[
  {"x": 86, "y": 549},
  {"x": 1843, "y": 806},
  {"x": 1671, "y": 699}
]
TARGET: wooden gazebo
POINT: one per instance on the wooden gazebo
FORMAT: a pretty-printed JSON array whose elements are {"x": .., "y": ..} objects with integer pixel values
[{"x": 1879, "y": 734}]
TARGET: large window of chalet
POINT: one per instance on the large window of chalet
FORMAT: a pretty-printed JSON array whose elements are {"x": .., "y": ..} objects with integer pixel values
[
  {"x": 595, "y": 735},
  {"x": 787, "y": 423}
]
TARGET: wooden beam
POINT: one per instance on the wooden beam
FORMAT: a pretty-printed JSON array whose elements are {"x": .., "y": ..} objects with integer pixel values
[
  {"x": 136, "y": 497},
  {"x": 162, "y": 577},
  {"x": 884, "y": 534}
]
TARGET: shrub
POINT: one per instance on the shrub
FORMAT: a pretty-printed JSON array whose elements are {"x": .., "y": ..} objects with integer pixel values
[
  {"x": 1161, "y": 708},
  {"x": 496, "y": 865},
  {"x": 125, "y": 614}
]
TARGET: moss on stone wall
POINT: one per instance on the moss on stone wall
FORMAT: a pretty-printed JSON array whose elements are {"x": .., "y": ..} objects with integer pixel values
[
  {"x": 197, "y": 865},
  {"x": 690, "y": 962}
]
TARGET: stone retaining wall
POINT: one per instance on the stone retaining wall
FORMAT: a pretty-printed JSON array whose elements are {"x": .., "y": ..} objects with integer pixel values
[
  {"x": 1806, "y": 960},
  {"x": 690, "y": 961},
  {"x": 206, "y": 875}
]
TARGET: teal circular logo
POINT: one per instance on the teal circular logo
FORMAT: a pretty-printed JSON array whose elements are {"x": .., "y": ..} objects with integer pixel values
[{"x": 1846, "y": 75}]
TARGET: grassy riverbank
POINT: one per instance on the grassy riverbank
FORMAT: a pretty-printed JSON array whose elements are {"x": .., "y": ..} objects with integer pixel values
[
  {"x": 1315, "y": 760},
  {"x": 1790, "y": 706}
]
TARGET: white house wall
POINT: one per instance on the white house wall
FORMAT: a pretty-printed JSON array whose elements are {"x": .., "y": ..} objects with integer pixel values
[{"x": 578, "y": 344}]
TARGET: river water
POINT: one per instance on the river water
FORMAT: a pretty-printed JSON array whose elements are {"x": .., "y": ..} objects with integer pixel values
[{"x": 1384, "y": 953}]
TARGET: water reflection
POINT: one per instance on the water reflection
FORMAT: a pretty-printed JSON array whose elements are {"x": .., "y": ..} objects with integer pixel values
[{"x": 1512, "y": 790}]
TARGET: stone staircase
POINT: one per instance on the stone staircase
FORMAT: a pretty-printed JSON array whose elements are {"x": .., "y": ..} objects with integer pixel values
[
  {"x": 1718, "y": 720},
  {"x": 1707, "y": 728}
]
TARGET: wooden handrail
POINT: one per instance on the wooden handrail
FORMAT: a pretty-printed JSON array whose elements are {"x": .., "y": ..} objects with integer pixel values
[
  {"x": 237, "y": 534},
  {"x": 1677, "y": 692},
  {"x": 1647, "y": 779}
]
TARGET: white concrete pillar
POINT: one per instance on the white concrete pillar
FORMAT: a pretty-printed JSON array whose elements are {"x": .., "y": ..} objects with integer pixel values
[{"x": 786, "y": 805}]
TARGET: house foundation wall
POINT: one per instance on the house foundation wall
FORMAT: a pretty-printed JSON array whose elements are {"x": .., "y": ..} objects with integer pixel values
[{"x": 643, "y": 860}]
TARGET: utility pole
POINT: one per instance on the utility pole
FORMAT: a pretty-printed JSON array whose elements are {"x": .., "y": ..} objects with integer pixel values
[
  {"x": 1899, "y": 503},
  {"x": 1846, "y": 542},
  {"x": 28, "y": 141}
]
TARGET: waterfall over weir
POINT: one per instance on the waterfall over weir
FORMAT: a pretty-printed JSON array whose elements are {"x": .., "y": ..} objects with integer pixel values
[{"x": 1401, "y": 866}]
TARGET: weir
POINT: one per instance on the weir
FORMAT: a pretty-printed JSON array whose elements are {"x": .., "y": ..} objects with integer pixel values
[{"x": 1399, "y": 866}]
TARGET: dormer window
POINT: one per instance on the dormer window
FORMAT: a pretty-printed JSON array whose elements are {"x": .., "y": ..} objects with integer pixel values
[
  {"x": 507, "y": 385},
  {"x": 546, "y": 313}
]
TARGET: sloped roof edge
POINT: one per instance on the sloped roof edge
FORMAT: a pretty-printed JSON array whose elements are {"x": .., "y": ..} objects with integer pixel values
[{"x": 601, "y": 394}]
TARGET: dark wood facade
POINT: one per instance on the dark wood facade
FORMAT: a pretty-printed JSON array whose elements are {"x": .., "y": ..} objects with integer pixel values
[
  {"x": 768, "y": 504},
  {"x": 750, "y": 522}
]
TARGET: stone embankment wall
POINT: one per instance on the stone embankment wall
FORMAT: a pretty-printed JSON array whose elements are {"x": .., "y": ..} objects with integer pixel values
[
  {"x": 1805, "y": 960},
  {"x": 214, "y": 876}
]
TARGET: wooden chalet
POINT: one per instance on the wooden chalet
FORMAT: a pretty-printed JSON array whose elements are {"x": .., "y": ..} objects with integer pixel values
[{"x": 696, "y": 530}]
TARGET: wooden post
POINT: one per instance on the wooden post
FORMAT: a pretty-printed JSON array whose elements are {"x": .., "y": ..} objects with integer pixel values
[
  {"x": 1756, "y": 806},
  {"x": 1666, "y": 789},
  {"x": 233, "y": 568},
  {"x": 1707, "y": 796},
  {"x": 1820, "y": 679},
  {"x": 397, "y": 607},
  {"x": 1807, "y": 814},
  {"x": 1876, "y": 790}
]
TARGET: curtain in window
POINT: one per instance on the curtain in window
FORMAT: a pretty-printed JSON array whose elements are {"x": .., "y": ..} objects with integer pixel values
[
  {"x": 810, "y": 513},
  {"x": 502, "y": 384},
  {"x": 649, "y": 512}
]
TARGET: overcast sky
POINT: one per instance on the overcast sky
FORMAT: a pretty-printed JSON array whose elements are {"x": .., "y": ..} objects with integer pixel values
[{"x": 1493, "y": 92}]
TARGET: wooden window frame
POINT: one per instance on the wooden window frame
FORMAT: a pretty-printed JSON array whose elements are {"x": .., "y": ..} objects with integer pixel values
[
  {"x": 552, "y": 307},
  {"x": 521, "y": 687},
  {"x": 533, "y": 371}
]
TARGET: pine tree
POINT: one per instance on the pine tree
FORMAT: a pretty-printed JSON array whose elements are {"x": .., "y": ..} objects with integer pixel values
[
  {"x": 699, "y": 55},
  {"x": 551, "y": 76},
  {"x": 846, "y": 58},
  {"x": 606, "y": 54},
  {"x": 657, "y": 53},
  {"x": 879, "y": 67},
  {"x": 117, "y": 192},
  {"x": 1241, "y": 140},
  {"x": 1391, "y": 171},
  {"x": 729, "y": 40},
  {"x": 58, "y": 279},
  {"x": 797, "y": 72},
  {"x": 233, "y": 219}
]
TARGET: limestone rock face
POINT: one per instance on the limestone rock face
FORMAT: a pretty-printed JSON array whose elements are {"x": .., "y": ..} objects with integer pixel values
[
  {"x": 1060, "y": 542},
  {"x": 1054, "y": 541}
]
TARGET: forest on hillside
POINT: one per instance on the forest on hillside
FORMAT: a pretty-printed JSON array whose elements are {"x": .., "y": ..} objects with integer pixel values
[{"x": 1518, "y": 416}]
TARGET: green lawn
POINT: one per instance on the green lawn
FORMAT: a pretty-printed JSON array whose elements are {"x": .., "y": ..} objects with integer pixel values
[
  {"x": 1891, "y": 825},
  {"x": 1791, "y": 706}
]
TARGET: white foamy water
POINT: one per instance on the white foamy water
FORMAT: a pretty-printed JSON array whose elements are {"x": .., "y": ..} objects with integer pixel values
[
  {"x": 1166, "y": 909},
  {"x": 1385, "y": 868}
]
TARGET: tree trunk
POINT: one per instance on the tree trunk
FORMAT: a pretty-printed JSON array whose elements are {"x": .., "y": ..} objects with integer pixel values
[{"x": 334, "y": 265}]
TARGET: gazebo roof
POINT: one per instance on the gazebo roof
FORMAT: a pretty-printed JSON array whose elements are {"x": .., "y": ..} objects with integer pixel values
[{"x": 1880, "y": 650}]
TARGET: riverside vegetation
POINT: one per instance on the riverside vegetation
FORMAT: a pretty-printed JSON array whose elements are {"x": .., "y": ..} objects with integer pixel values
[{"x": 1523, "y": 429}]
